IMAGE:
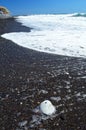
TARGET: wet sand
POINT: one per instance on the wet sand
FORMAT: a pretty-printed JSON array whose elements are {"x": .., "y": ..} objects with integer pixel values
[{"x": 28, "y": 77}]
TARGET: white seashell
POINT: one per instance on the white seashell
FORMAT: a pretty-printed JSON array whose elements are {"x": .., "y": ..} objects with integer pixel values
[{"x": 47, "y": 107}]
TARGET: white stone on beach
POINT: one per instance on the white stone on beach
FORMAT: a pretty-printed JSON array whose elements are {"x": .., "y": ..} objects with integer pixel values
[{"x": 47, "y": 107}]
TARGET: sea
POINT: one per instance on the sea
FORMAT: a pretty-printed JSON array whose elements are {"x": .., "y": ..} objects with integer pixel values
[{"x": 61, "y": 34}]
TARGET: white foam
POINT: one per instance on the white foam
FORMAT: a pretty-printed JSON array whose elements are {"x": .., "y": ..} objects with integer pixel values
[{"x": 57, "y": 34}]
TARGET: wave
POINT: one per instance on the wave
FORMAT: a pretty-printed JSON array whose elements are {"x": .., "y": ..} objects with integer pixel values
[
  {"x": 56, "y": 34},
  {"x": 79, "y": 15}
]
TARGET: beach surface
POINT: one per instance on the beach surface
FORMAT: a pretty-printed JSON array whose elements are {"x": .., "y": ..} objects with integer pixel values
[{"x": 28, "y": 77}]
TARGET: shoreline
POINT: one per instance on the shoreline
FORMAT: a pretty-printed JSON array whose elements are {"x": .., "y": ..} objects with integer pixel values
[
  {"x": 10, "y": 25},
  {"x": 25, "y": 73}
]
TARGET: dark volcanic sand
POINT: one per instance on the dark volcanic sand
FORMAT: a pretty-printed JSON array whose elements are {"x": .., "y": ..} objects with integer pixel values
[{"x": 28, "y": 77}]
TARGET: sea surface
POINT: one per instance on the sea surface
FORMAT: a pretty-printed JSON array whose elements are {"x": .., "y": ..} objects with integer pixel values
[{"x": 63, "y": 34}]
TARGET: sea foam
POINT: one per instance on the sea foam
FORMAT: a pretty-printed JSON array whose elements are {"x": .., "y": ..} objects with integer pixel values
[{"x": 56, "y": 34}]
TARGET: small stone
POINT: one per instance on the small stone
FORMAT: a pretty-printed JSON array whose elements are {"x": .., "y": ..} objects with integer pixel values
[{"x": 47, "y": 107}]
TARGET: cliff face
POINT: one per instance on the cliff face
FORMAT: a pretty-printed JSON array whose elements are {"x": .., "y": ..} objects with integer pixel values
[{"x": 4, "y": 12}]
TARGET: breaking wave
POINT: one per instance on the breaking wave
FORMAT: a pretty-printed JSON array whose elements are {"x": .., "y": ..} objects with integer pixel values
[
  {"x": 79, "y": 15},
  {"x": 56, "y": 34}
]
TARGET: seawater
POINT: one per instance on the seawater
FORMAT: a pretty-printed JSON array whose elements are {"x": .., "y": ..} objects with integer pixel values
[{"x": 56, "y": 34}]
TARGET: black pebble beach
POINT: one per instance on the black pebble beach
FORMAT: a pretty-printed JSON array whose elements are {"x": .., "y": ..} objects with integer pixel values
[{"x": 28, "y": 77}]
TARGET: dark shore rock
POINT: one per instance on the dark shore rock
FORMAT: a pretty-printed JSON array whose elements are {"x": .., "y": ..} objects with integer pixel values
[{"x": 25, "y": 73}]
